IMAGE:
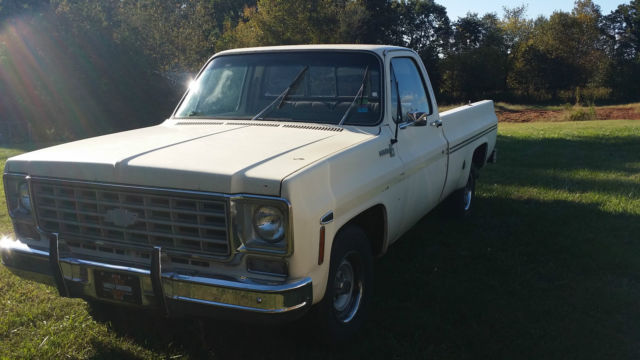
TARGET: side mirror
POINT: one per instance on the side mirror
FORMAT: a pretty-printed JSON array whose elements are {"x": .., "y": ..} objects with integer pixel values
[{"x": 418, "y": 118}]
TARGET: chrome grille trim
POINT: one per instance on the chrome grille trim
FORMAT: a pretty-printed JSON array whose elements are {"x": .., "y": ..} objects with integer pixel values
[{"x": 180, "y": 221}]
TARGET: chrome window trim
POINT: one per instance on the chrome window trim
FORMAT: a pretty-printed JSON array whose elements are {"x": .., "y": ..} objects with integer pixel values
[
  {"x": 282, "y": 51},
  {"x": 423, "y": 81}
]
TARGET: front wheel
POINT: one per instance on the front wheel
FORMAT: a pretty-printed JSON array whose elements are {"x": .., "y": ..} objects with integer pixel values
[{"x": 349, "y": 288}]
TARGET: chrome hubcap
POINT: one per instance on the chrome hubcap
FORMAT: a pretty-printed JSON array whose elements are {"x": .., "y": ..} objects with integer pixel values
[{"x": 347, "y": 290}]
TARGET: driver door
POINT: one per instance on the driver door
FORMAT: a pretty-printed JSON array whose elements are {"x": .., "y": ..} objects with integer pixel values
[{"x": 422, "y": 149}]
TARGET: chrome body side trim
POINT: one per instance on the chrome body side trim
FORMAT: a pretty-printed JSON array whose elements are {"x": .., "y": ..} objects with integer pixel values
[{"x": 471, "y": 139}]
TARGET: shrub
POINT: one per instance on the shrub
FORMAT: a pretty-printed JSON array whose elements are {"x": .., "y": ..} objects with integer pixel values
[{"x": 579, "y": 113}]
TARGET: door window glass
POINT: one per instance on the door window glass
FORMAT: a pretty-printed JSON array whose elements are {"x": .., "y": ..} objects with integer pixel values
[{"x": 413, "y": 96}]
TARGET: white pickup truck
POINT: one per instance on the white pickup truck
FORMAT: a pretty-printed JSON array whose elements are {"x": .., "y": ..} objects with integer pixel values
[{"x": 279, "y": 177}]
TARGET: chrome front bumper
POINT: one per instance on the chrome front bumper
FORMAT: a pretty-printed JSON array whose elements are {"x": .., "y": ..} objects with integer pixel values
[{"x": 171, "y": 292}]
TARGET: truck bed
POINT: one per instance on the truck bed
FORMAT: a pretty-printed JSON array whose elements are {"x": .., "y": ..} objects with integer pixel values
[{"x": 466, "y": 128}]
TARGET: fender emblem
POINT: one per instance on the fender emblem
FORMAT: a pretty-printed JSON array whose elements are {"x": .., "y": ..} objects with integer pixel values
[
  {"x": 387, "y": 151},
  {"x": 121, "y": 217}
]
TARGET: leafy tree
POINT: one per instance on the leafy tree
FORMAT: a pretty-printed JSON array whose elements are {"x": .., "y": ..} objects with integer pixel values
[
  {"x": 380, "y": 20},
  {"x": 562, "y": 57},
  {"x": 115, "y": 57},
  {"x": 476, "y": 65},
  {"x": 621, "y": 31},
  {"x": 423, "y": 26},
  {"x": 516, "y": 28},
  {"x": 281, "y": 22}
]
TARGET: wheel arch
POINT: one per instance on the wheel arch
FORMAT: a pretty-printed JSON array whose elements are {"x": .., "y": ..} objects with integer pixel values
[
  {"x": 373, "y": 221},
  {"x": 479, "y": 158}
]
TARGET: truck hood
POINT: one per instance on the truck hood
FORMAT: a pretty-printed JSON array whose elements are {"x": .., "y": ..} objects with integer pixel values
[{"x": 225, "y": 157}]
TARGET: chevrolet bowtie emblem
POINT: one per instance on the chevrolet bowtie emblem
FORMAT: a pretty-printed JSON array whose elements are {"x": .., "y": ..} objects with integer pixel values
[{"x": 121, "y": 217}]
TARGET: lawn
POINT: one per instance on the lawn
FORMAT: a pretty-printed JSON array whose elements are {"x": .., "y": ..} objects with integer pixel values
[{"x": 548, "y": 266}]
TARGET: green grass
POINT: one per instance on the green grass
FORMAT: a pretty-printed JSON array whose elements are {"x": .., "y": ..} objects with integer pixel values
[{"x": 547, "y": 267}]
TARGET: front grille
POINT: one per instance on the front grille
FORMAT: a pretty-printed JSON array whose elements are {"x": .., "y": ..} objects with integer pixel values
[{"x": 178, "y": 222}]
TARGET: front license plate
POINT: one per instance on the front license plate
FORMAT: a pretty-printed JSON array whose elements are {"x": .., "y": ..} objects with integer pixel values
[{"x": 118, "y": 287}]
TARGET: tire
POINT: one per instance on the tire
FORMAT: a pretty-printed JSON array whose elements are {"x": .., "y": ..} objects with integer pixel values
[
  {"x": 341, "y": 313},
  {"x": 461, "y": 201}
]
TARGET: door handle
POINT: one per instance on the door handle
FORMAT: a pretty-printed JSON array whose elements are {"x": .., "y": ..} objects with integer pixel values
[{"x": 436, "y": 123}]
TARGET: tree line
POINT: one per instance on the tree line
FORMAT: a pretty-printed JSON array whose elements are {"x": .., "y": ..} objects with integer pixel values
[{"x": 130, "y": 56}]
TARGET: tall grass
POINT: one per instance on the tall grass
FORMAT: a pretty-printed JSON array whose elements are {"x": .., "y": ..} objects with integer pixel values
[{"x": 581, "y": 113}]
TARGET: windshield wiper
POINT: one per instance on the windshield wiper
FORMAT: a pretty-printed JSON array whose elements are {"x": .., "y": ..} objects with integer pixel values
[
  {"x": 346, "y": 113},
  {"x": 280, "y": 99}
]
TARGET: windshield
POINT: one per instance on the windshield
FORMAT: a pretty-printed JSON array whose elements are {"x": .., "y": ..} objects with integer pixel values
[{"x": 318, "y": 87}]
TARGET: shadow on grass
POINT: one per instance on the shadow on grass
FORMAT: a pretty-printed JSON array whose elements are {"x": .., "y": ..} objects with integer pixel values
[
  {"x": 200, "y": 338},
  {"x": 576, "y": 166},
  {"x": 105, "y": 351},
  {"x": 607, "y": 153},
  {"x": 519, "y": 279}
]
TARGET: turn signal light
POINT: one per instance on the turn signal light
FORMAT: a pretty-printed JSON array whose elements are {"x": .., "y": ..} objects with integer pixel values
[{"x": 321, "y": 246}]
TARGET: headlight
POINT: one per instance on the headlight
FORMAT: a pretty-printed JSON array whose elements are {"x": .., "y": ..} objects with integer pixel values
[
  {"x": 261, "y": 225},
  {"x": 269, "y": 223},
  {"x": 23, "y": 196},
  {"x": 16, "y": 189}
]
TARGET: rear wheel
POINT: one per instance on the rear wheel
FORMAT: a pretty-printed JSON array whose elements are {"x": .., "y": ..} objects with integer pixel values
[
  {"x": 350, "y": 286},
  {"x": 461, "y": 201}
]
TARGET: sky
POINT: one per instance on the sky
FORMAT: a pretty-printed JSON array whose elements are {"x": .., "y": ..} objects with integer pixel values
[{"x": 459, "y": 8}]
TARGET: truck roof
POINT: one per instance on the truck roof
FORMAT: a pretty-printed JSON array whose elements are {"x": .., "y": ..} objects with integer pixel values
[{"x": 379, "y": 49}]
